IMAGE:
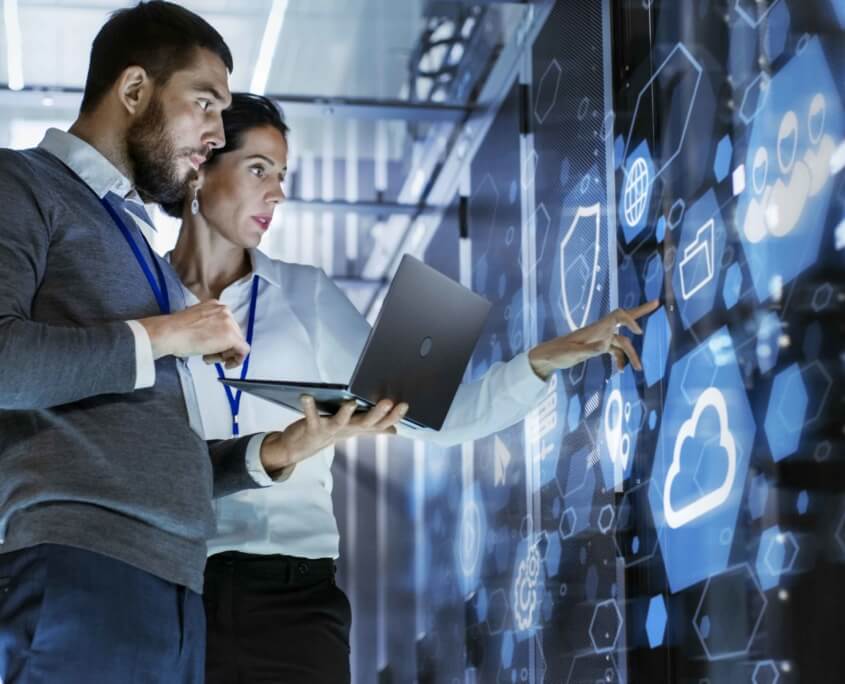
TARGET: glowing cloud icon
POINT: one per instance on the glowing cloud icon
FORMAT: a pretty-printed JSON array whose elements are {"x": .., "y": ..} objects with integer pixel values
[{"x": 710, "y": 398}]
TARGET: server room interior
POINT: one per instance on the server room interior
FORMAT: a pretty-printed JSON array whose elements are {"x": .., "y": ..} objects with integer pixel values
[{"x": 564, "y": 159}]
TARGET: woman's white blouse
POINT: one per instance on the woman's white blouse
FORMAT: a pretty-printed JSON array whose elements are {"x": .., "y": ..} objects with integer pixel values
[{"x": 306, "y": 329}]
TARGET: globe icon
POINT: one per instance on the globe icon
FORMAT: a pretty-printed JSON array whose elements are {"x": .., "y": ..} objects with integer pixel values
[{"x": 636, "y": 192}]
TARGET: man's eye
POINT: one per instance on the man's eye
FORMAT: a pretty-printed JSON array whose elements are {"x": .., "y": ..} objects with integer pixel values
[
  {"x": 205, "y": 104},
  {"x": 257, "y": 171}
]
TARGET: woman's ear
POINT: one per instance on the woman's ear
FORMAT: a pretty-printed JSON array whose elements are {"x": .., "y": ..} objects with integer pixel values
[{"x": 196, "y": 183}]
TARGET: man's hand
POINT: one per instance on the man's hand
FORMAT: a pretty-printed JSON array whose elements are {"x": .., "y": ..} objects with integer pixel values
[
  {"x": 314, "y": 432},
  {"x": 596, "y": 339},
  {"x": 206, "y": 329}
]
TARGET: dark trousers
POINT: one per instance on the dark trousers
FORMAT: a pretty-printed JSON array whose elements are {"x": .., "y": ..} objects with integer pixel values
[
  {"x": 70, "y": 616},
  {"x": 275, "y": 620}
]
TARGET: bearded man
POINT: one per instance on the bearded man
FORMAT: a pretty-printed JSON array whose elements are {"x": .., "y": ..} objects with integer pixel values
[{"x": 105, "y": 489}]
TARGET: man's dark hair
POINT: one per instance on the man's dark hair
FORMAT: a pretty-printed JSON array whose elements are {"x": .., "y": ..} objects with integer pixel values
[
  {"x": 246, "y": 113},
  {"x": 161, "y": 37}
]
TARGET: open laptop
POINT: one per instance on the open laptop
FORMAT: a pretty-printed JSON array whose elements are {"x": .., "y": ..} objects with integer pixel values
[{"x": 417, "y": 351}]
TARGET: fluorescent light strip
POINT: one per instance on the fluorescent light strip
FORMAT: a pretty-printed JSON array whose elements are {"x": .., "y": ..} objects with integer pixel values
[
  {"x": 268, "y": 46},
  {"x": 14, "y": 43}
]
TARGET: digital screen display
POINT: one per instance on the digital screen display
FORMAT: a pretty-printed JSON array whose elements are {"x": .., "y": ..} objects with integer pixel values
[{"x": 685, "y": 523}]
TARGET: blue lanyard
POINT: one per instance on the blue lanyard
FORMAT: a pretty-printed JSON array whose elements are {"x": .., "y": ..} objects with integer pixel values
[
  {"x": 159, "y": 287},
  {"x": 235, "y": 397}
]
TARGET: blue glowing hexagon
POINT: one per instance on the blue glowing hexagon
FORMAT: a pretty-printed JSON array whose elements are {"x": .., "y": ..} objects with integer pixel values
[
  {"x": 574, "y": 412},
  {"x": 658, "y": 336},
  {"x": 777, "y": 31},
  {"x": 768, "y": 341},
  {"x": 839, "y": 12},
  {"x": 507, "y": 649},
  {"x": 552, "y": 557},
  {"x": 655, "y": 622},
  {"x": 481, "y": 604},
  {"x": 786, "y": 412},
  {"x": 691, "y": 523},
  {"x": 757, "y": 496},
  {"x": 618, "y": 151},
  {"x": 733, "y": 286},
  {"x": 660, "y": 229},
  {"x": 637, "y": 185},
  {"x": 776, "y": 555},
  {"x": 722, "y": 162},
  {"x": 780, "y": 217},
  {"x": 699, "y": 259},
  {"x": 621, "y": 421},
  {"x": 654, "y": 276},
  {"x": 802, "y": 503}
]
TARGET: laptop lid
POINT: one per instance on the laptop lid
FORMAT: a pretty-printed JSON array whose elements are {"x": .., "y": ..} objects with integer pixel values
[{"x": 421, "y": 343}]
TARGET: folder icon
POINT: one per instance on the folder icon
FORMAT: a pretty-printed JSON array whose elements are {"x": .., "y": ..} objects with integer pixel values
[{"x": 697, "y": 266}]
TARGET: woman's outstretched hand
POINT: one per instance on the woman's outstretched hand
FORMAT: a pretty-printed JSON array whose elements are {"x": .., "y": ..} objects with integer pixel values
[{"x": 602, "y": 337}]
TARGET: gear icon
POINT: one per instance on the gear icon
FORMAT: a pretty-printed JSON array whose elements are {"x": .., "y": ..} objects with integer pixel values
[{"x": 525, "y": 589}]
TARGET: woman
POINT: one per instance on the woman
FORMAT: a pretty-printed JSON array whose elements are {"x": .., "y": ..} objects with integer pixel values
[{"x": 274, "y": 610}]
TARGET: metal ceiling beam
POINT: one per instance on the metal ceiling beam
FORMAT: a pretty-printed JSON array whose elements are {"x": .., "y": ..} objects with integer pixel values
[
  {"x": 359, "y": 207},
  {"x": 67, "y": 100}
]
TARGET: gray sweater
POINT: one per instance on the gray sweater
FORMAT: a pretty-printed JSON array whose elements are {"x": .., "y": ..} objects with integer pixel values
[{"x": 86, "y": 461}]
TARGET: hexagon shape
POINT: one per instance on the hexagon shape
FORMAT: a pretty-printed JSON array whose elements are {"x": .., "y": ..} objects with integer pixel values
[
  {"x": 765, "y": 672},
  {"x": 660, "y": 229},
  {"x": 822, "y": 297},
  {"x": 634, "y": 504},
  {"x": 818, "y": 380},
  {"x": 637, "y": 184},
  {"x": 497, "y": 613},
  {"x": 754, "y": 98},
  {"x": 721, "y": 635},
  {"x": 655, "y": 622},
  {"x": 839, "y": 535},
  {"x": 605, "y": 518},
  {"x": 700, "y": 250},
  {"x": 777, "y": 31},
  {"x": 676, "y": 213},
  {"x": 780, "y": 243},
  {"x": 786, "y": 412},
  {"x": 507, "y": 649},
  {"x": 547, "y": 91},
  {"x": 802, "y": 503},
  {"x": 653, "y": 277},
  {"x": 605, "y": 626},
  {"x": 681, "y": 64},
  {"x": 703, "y": 384},
  {"x": 733, "y": 286},
  {"x": 768, "y": 342},
  {"x": 722, "y": 162},
  {"x": 574, "y": 412},
  {"x": 776, "y": 555},
  {"x": 658, "y": 337}
]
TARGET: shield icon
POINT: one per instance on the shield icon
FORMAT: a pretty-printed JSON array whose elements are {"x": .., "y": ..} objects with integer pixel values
[{"x": 579, "y": 265}]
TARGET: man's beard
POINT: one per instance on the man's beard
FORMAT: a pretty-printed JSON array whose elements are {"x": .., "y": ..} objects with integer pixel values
[{"x": 154, "y": 158}]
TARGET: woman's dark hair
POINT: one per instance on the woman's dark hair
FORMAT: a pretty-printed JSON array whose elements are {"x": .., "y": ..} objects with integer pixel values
[
  {"x": 161, "y": 37},
  {"x": 246, "y": 113}
]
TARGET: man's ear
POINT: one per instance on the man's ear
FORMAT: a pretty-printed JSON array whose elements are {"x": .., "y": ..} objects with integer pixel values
[{"x": 134, "y": 87}]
